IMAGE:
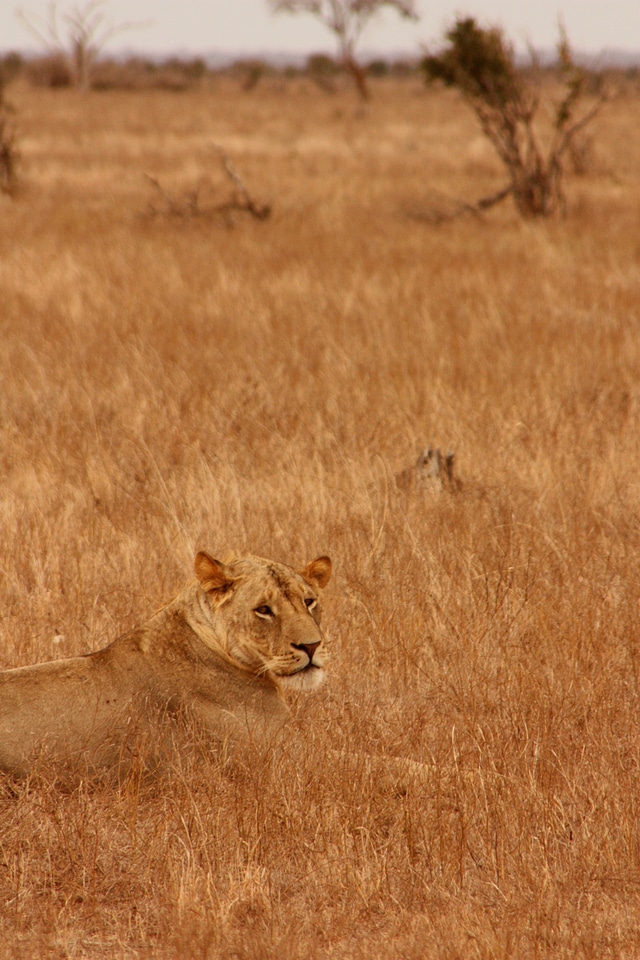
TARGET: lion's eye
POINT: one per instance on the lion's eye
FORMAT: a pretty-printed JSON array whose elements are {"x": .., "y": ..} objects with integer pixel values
[
  {"x": 310, "y": 602},
  {"x": 264, "y": 611}
]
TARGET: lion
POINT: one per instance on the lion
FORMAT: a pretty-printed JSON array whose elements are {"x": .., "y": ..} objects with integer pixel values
[{"x": 224, "y": 653}]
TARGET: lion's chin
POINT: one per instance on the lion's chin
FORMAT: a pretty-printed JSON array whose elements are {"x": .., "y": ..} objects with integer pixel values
[{"x": 307, "y": 680}]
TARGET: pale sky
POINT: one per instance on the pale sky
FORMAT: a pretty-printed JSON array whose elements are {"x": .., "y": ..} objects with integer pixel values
[{"x": 248, "y": 26}]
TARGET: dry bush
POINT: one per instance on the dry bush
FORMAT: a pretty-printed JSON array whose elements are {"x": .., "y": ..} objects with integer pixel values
[
  {"x": 323, "y": 70},
  {"x": 134, "y": 73},
  {"x": 51, "y": 71},
  {"x": 11, "y": 66},
  {"x": 167, "y": 387},
  {"x": 9, "y": 155},
  {"x": 204, "y": 201},
  {"x": 481, "y": 64}
]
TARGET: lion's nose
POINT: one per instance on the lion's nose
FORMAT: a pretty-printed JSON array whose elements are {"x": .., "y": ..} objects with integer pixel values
[{"x": 309, "y": 648}]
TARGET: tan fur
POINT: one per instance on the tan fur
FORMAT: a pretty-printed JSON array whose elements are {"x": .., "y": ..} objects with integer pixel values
[{"x": 222, "y": 653}]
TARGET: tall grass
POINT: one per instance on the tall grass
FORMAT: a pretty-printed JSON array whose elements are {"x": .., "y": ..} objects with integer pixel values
[{"x": 172, "y": 385}]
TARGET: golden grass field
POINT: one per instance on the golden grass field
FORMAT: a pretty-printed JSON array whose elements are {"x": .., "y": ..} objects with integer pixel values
[{"x": 172, "y": 383}]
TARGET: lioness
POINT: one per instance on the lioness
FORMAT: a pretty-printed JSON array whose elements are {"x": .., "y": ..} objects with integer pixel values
[{"x": 222, "y": 652}]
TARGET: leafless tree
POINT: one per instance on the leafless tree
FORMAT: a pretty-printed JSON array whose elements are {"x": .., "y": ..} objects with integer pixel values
[
  {"x": 78, "y": 35},
  {"x": 347, "y": 19}
]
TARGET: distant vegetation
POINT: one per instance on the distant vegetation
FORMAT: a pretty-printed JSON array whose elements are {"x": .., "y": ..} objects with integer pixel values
[
  {"x": 347, "y": 20},
  {"x": 74, "y": 36},
  {"x": 52, "y": 70},
  {"x": 179, "y": 73}
]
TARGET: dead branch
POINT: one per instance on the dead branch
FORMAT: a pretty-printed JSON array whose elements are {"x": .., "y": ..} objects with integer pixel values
[
  {"x": 186, "y": 206},
  {"x": 460, "y": 208},
  {"x": 189, "y": 205},
  {"x": 260, "y": 211},
  {"x": 568, "y": 134}
]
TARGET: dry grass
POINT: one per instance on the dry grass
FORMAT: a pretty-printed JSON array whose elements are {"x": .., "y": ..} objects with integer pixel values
[{"x": 173, "y": 384}]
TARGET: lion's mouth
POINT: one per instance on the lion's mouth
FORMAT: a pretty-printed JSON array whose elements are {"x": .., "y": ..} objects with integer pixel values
[
  {"x": 308, "y": 677},
  {"x": 308, "y": 668}
]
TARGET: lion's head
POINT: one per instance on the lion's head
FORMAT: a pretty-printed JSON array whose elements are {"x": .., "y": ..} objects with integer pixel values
[{"x": 267, "y": 616}]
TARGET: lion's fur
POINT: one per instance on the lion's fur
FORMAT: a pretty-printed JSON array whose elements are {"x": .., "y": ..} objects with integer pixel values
[{"x": 221, "y": 653}]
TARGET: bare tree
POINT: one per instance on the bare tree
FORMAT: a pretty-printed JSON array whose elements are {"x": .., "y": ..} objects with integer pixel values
[
  {"x": 480, "y": 63},
  {"x": 347, "y": 19},
  {"x": 78, "y": 35}
]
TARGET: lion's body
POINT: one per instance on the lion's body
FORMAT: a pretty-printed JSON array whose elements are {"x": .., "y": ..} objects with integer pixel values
[{"x": 213, "y": 654}]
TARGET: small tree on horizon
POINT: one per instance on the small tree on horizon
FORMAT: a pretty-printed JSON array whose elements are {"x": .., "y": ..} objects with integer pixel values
[
  {"x": 347, "y": 20},
  {"x": 77, "y": 35}
]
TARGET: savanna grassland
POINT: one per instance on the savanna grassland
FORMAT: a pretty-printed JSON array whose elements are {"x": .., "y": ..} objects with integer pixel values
[{"x": 175, "y": 382}]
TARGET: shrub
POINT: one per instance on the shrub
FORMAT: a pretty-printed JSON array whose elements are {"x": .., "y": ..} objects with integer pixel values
[
  {"x": 50, "y": 71},
  {"x": 480, "y": 63},
  {"x": 139, "y": 74},
  {"x": 8, "y": 148},
  {"x": 10, "y": 66}
]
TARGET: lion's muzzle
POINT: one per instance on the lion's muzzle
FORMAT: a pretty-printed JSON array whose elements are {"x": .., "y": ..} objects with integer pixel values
[{"x": 309, "y": 649}]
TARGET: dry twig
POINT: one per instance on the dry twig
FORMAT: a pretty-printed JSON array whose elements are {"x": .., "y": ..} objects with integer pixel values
[
  {"x": 460, "y": 208},
  {"x": 190, "y": 205}
]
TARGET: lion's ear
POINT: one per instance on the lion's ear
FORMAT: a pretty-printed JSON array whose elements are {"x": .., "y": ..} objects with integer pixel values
[
  {"x": 318, "y": 572},
  {"x": 212, "y": 574}
]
